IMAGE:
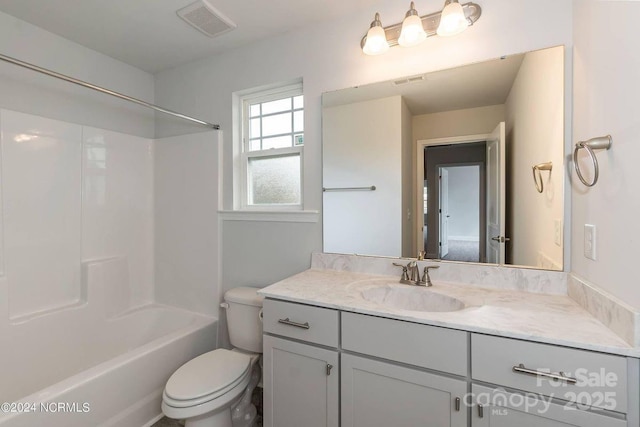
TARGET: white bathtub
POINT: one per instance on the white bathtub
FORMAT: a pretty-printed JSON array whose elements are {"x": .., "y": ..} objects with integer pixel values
[{"x": 77, "y": 369}]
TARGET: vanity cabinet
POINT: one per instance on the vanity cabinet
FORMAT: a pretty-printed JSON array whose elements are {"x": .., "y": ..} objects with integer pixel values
[
  {"x": 498, "y": 408},
  {"x": 385, "y": 393},
  {"x": 381, "y": 394},
  {"x": 557, "y": 386},
  {"x": 300, "y": 383},
  {"x": 326, "y": 368},
  {"x": 594, "y": 379},
  {"x": 301, "y": 379}
]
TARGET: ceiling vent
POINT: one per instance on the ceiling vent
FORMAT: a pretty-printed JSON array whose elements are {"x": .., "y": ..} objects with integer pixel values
[
  {"x": 409, "y": 80},
  {"x": 206, "y": 19}
]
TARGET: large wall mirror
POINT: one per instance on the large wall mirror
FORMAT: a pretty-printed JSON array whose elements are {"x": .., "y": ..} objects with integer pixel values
[{"x": 465, "y": 164}]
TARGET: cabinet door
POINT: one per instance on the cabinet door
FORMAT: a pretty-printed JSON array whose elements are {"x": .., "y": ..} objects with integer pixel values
[
  {"x": 379, "y": 394},
  {"x": 300, "y": 385},
  {"x": 498, "y": 408}
]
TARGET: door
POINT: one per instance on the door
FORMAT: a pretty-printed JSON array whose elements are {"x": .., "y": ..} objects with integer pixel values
[
  {"x": 496, "y": 199},
  {"x": 379, "y": 394},
  {"x": 444, "y": 212},
  {"x": 300, "y": 385},
  {"x": 498, "y": 408}
]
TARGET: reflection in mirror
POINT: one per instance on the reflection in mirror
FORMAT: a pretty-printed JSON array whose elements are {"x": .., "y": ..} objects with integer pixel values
[{"x": 451, "y": 156}]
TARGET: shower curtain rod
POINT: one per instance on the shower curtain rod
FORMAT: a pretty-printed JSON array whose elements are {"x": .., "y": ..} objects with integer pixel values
[{"x": 103, "y": 90}]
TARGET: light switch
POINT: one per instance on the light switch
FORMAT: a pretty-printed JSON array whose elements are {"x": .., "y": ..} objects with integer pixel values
[{"x": 590, "y": 241}]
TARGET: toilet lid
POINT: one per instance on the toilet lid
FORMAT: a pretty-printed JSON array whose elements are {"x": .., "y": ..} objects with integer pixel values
[{"x": 207, "y": 374}]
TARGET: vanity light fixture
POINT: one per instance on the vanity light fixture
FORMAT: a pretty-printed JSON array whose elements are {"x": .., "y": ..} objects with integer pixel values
[
  {"x": 412, "y": 32},
  {"x": 375, "y": 42},
  {"x": 453, "y": 19}
]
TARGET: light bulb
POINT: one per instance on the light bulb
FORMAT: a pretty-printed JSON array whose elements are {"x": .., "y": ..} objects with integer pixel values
[
  {"x": 452, "y": 20},
  {"x": 376, "y": 42},
  {"x": 412, "y": 32}
]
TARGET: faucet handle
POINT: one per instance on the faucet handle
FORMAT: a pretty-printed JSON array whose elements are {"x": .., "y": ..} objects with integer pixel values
[
  {"x": 425, "y": 274},
  {"x": 405, "y": 270}
]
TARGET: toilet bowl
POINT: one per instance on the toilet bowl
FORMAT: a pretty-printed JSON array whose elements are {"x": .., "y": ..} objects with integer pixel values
[{"x": 204, "y": 390}]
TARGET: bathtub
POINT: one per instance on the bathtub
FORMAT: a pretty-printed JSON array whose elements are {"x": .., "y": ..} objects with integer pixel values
[{"x": 75, "y": 368}]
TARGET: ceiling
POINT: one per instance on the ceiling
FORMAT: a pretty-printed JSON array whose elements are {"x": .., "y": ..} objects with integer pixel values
[
  {"x": 470, "y": 86},
  {"x": 149, "y": 35}
]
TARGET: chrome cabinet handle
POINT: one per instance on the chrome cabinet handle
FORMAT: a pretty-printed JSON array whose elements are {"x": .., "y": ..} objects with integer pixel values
[
  {"x": 329, "y": 368},
  {"x": 480, "y": 411},
  {"x": 457, "y": 404},
  {"x": 521, "y": 369},
  {"x": 286, "y": 321}
]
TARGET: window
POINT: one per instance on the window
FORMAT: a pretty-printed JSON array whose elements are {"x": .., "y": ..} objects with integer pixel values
[{"x": 272, "y": 146}]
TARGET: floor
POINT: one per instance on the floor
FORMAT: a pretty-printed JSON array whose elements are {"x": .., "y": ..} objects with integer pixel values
[
  {"x": 256, "y": 400},
  {"x": 460, "y": 250}
]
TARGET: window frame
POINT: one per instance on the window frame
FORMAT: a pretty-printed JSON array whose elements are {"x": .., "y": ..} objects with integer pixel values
[{"x": 288, "y": 91}]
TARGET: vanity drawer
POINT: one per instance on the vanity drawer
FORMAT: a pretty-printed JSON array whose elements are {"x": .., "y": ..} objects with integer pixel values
[
  {"x": 426, "y": 346},
  {"x": 600, "y": 379},
  {"x": 303, "y": 322}
]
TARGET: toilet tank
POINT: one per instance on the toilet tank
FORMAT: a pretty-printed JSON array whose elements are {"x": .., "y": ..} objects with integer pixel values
[{"x": 243, "y": 318}]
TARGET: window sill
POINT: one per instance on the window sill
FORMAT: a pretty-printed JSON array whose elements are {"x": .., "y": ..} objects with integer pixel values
[{"x": 272, "y": 216}]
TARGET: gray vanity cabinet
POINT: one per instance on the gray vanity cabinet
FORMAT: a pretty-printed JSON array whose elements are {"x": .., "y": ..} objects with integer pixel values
[
  {"x": 300, "y": 388},
  {"x": 380, "y": 394},
  {"x": 326, "y": 368},
  {"x": 301, "y": 375},
  {"x": 399, "y": 391},
  {"x": 508, "y": 410}
]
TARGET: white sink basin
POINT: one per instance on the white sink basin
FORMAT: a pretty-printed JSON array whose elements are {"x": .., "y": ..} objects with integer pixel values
[{"x": 412, "y": 299}]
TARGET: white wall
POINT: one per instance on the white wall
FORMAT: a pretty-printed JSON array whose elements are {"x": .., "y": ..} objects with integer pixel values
[
  {"x": 186, "y": 221},
  {"x": 469, "y": 121},
  {"x": 363, "y": 147},
  {"x": 464, "y": 203},
  {"x": 408, "y": 190},
  {"x": 30, "y": 92},
  {"x": 606, "y": 93},
  {"x": 535, "y": 134},
  {"x": 328, "y": 57}
]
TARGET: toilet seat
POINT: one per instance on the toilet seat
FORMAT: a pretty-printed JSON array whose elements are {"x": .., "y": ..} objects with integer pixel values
[{"x": 206, "y": 378}]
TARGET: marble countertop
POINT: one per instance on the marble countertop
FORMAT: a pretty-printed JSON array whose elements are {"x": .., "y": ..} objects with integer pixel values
[{"x": 545, "y": 318}]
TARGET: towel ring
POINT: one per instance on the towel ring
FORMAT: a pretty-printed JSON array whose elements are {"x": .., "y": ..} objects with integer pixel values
[
  {"x": 537, "y": 178},
  {"x": 599, "y": 143}
]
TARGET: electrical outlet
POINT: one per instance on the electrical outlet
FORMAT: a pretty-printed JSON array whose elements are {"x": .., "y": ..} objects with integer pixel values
[
  {"x": 557, "y": 236},
  {"x": 590, "y": 241}
]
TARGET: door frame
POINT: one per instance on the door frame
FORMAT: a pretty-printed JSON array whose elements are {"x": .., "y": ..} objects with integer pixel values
[
  {"x": 444, "y": 246},
  {"x": 421, "y": 144}
]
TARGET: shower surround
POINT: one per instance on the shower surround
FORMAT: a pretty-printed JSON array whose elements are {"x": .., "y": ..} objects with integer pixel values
[{"x": 83, "y": 319}]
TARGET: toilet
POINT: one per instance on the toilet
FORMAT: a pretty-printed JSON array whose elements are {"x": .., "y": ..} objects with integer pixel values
[{"x": 214, "y": 389}]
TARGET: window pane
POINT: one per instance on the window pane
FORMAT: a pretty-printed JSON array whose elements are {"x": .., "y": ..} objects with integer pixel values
[
  {"x": 274, "y": 125},
  {"x": 298, "y": 121},
  {"x": 254, "y": 145},
  {"x": 254, "y": 110},
  {"x": 276, "y": 106},
  {"x": 274, "y": 180},
  {"x": 254, "y": 132},
  {"x": 298, "y": 102},
  {"x": 276, "y": 142}
]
